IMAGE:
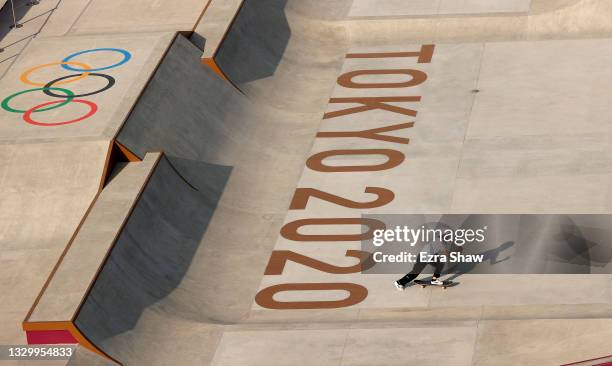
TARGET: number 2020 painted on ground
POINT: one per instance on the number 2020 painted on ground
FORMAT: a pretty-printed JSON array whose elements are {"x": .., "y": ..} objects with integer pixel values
[
  {"x": 349, "y": 80},
  {"x": 278, "y": 259},
  {"x": 50, "y": 88}
]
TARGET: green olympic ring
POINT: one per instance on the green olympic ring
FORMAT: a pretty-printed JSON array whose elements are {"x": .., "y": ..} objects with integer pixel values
[{"x": 6, "y": 107}]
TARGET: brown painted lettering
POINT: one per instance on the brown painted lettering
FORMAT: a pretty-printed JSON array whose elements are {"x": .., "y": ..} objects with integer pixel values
[
  {"x": 302, "y": 195},
  {"x": 265, "y": 297},
  {"x": 394, "y": 158},
  {"x": 371, "y": 103},
  {"x": 424, "y": 55},
  {"x": 290, "y": 230},
  {"x": 373, "y": 133},
  {"x": 279, "y": 258},
  {"x": 416, "y": 77}
]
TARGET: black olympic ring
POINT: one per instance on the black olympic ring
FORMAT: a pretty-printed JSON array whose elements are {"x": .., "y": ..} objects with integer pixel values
[{"x": 110, "y": 82}]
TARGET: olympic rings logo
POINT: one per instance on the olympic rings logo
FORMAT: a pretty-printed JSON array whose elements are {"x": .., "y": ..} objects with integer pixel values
[{"x": 65, "y": 95}]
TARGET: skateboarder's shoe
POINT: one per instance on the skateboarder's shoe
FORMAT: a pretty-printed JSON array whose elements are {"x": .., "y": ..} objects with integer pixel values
[
  {"x": 398, "y": 286},
  {"x": 436, "y": 281}
]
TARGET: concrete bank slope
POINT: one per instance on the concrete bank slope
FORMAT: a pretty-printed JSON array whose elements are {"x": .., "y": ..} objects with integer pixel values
[
  {"x": 233, "y": 155},
  {"x": 149, "y": 259},
  {"x": 180, "y": 284},
  {"x": 52, "y": 317},
  {"x": 481, "y": 142},
  {"x": 54, "y": 158},
  {"x": 246, "y": 151}
]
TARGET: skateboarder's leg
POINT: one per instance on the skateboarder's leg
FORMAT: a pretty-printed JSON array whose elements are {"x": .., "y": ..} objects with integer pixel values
[{"x": 418, "y": 268}]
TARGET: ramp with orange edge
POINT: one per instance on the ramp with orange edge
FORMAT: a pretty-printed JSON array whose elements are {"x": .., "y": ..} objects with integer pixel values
[
  {"x": 212, "y": 29},
  {"x": 51, "y": 319},
  {"x": 61, "y": 332}
]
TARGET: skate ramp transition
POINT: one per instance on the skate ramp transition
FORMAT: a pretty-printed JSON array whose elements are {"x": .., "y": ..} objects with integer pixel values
[
  {"x": 152, "y": 253},
  {"x": 178, "y": 283},
  {"x": 51, "y": 318},
  {"x": 215, "y": 144},
  {"x": 55, "y": 163},
  {"x": 127, "y": 253}
]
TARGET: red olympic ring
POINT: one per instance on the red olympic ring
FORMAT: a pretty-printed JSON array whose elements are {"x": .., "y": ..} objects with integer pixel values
[{"x": 27, "y": 116}]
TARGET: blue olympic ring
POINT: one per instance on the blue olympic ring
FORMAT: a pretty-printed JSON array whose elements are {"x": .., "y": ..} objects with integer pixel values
[{"x": 126, "y": 57}]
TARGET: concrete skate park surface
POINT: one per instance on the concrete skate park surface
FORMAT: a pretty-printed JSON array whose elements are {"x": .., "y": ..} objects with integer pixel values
[
  {"x": 110, "y": 92},
  {"x": 188, "y": 261},
  {"x": 370, "y": 8}
]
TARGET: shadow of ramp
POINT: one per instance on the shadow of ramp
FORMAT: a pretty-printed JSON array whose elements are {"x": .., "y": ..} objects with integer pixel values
[
  {"x": 262, "y": 22},
  {"x": 154, "y": 250},
  {"x": 185, "y": 111}
]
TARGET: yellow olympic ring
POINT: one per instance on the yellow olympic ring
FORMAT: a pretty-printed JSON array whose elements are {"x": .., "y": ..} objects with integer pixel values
[{"x": 24, "y": 77}]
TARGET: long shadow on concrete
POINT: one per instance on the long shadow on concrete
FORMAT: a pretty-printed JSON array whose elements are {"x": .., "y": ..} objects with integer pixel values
[
  {"x": 493, "y": 256},
  {"x": 241, "y": 55},
  {"x": 205, "y": 126},
  {"x": 155, "y": 248},
  {"x": 6, "y": 15}
]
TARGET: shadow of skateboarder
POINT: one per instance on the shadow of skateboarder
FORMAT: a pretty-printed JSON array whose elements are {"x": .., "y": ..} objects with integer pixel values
[{"x": 490, "y": 255}]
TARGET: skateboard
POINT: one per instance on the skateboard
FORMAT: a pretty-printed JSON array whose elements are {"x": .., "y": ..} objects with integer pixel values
[{"x": 424, "y": 284}]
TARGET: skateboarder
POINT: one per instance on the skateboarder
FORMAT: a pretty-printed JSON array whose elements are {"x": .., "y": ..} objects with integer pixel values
[{"x": 434, "y": 248}]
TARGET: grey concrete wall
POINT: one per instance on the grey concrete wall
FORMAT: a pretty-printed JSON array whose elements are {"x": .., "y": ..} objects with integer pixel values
[
  {"x": 228, "y": 145},
  {"x": 149, "y": 259},
  {"x": 277, "y": 45}
]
